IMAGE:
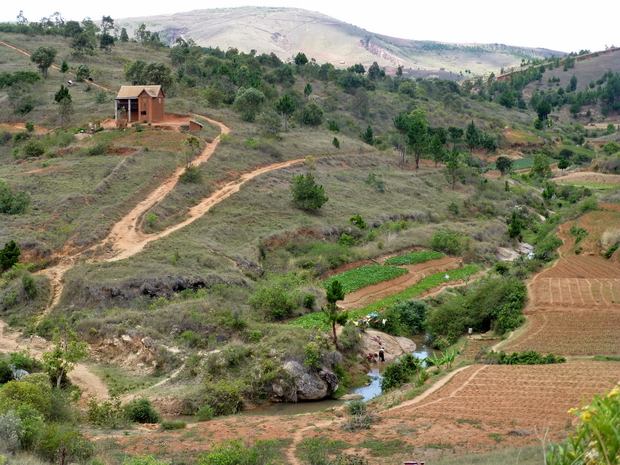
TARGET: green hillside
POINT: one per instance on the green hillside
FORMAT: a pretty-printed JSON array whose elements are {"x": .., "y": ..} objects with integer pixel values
[{"x": 193, "y": 317}]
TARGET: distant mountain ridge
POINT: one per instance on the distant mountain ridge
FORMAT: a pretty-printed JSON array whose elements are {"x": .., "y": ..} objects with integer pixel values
[{"x": 287, "y": 31}]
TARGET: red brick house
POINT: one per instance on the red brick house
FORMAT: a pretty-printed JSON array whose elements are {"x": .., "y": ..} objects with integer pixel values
[{"x": 142, "y": 103}]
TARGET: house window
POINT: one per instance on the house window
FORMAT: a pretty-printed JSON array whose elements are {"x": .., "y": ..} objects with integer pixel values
[
  {"x": 143, "y": 112},
  {"x": 159, "y": 100},
  {"x": 143, "y": 101}
]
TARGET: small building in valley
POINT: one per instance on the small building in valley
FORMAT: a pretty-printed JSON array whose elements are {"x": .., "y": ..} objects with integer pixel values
[{"x": 144, "y": 104}]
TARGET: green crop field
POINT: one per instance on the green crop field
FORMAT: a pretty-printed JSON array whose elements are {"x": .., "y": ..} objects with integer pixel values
[
  {"x": 318, "y": 321},
  {"x": 414, "y": 258},
  {"x": 365, "y": 276}
]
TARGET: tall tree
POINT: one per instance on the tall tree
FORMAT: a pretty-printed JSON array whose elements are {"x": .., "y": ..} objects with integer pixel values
[
  {"x": 503, "y": 164},
  {"x": 453, "y": 163},
  {"x": 368, "y": 136},
  {"x": 401, "y": 123},
  {"x": 306, "y": 193},
  {"x": 543, "y": 109},
  {"x": 43, "y": 57},
  {"x": 307, "y": 90},
  {"x": 301, "y": 59},
  {"x": 374, "y": 71},
  {"x": 417, "y": 135},
  {"x": 124, "y": 37},
  {"x": 189, "y": 150},
  {"x": 334, "y": 293},
  {"x": 9, "y": 255},
  {"x": 65, "y": 355},
  {"x": 437, "y": 149},
  {"x": 248, "y": 102},
  {"x": 286, "y": 106}
]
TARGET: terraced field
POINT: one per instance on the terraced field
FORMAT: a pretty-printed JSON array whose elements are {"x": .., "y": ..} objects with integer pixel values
[
  {"x": 577, "y": 333},
  {"x": 514, "y": 396}
]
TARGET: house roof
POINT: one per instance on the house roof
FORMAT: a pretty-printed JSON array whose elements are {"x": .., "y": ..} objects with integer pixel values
[{"x": 135, "y": 91}]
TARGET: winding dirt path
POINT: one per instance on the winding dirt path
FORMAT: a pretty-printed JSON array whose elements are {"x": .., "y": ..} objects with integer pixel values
[{"x": 81, "y": 376}]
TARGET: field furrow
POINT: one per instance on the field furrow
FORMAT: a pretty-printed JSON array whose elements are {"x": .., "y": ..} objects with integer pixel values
[{"x": 526, "y": 395}]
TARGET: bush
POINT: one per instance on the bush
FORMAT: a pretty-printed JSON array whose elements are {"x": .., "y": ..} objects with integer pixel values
[
  {"x": 595, "y": 439},
  {"x": 107, "y": 414},
  {"x": 14, "y": 394},
  {"x": 357, "y": 407},
  {"x": 99, "y": 148},
  {"x": 205, "y": 413},
  {"x": 275, "y": 301},
  {"x": 191, "y": 175},
  {"x": 6, "y": 374},
  {"x": 173, "y": 424},
  {"x": 530, "y": 357},
  {"x": 224, "y": 397},
  {"x": 401, "y": 372},
  {"x": 141, "y": 411},
  {"x": 405, "y": 318},
  {"x": 56, "y": 438},
  {"x": 449, "y": 241},
  {"x": 33, "y": 148},
  {"x": 12, "y": 204},
  {"x": 24, "y": 361},
  {"x": 496, "y": 304}
]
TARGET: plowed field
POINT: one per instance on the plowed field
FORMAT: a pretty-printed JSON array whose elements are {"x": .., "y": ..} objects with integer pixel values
[
  {"x": 519, "y": 396},
  {"x": 571, "y": 333}
]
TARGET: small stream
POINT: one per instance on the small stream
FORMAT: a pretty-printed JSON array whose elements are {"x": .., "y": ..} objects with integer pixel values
[{"x": 368, "y": 392}]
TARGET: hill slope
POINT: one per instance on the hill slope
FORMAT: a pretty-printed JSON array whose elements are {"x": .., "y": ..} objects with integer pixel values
[{"x": 287, "y": 31}]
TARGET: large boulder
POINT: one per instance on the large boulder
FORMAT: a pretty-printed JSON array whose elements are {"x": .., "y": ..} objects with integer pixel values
[{"x": 303, "y": 383}]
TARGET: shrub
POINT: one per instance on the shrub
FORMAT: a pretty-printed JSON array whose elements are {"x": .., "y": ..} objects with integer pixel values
[
  {"x": 6, "y": 374},
  {"x": 224, "y": 397},
  {"x": 449, "y": 241},
  {"x": 496, "y": 304},
  {"x": 56, "y": 438},
  {"x": 191, "y": 175},
  {"x": 33, "y": 148},
  {"x": 400, "y": 372},
  {"x": 309, "y": 301},
  {"x": 101, "y": 96},
  {"x": 141, "y": 411},
  {"x": 595, "y": 439},
  {"x": 100, "y": 148},
  {"x": 12, "y": 204},
  {"x": 173, "y": 424},
  {"x": 404, "y": 318},
  {"x": 24, "y": 361},
  {"x": 107, "y": 414},
  {"x": 359, "y": 422},
  {"x": 14, "y": 394},
  {"x": 357, "y": 407},
  {"x": 205, "y": 413},
  {"x": 530, "y": 357},
  {"x": 274, "y": 301}
]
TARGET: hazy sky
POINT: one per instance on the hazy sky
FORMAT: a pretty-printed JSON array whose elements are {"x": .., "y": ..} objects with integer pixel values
[{"x": 533, "y": 23}]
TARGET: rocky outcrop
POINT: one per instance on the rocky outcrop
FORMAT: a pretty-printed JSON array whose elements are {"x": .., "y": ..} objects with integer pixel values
[
  {"x": 304, "y": 383},
  {"x": 130, "y": 350},
  {"x": 394, "y": 346},
  {"x": 125, "y": 293}
]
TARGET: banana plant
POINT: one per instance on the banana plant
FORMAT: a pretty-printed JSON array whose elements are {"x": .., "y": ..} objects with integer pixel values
[
  {"x": 436, "y": 361},
  {"x": 448, "y": 357}
]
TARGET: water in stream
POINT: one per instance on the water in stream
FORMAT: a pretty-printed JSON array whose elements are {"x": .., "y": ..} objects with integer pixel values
[{"x": 368, "y": 392}]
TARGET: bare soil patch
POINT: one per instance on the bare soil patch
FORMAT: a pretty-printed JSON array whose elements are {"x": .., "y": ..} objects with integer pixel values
[
  {"x": 574, "y": 333},
  {"x": 515, "y": 396},
  {"x": 588, "y": 176}
]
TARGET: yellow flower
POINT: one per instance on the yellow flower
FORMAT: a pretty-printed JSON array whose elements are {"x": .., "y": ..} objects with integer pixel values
[
  {"x": 614, "y": 393},
  {"x": 586, "y": 417},
  {"x": 573, "y": 410}
]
